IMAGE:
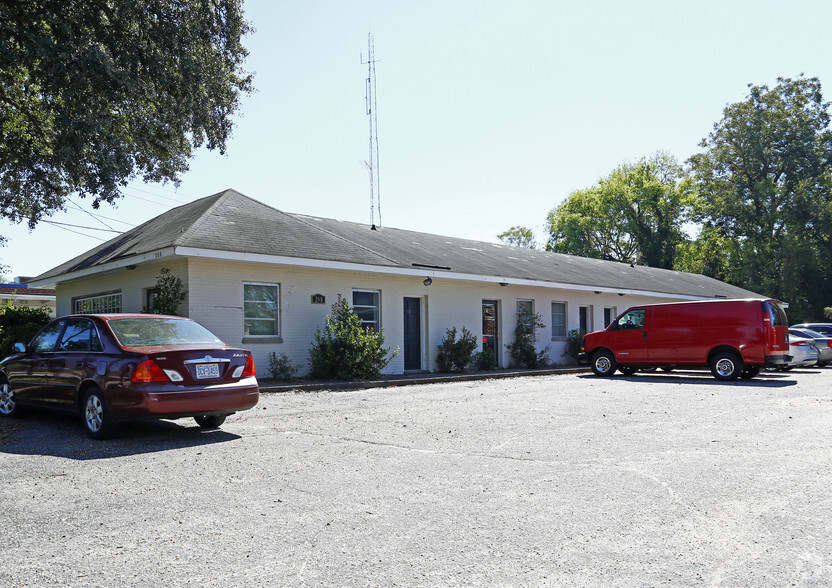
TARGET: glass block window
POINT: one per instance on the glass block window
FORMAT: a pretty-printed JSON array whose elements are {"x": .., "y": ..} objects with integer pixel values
[
  {"x": 525, "y": 311},
  {"x": 365, "y": 303},
  {"x": 261, "y": 309},
  {"x": 99, "y": 304},
  {"x": 558, "y": 319}
]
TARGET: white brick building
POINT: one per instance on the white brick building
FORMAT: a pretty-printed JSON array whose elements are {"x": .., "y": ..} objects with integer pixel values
[{"x": 265, "y": 280}]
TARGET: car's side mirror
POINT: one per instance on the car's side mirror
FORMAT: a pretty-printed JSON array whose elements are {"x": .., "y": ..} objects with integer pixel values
[{"x": 19, "y": 348}]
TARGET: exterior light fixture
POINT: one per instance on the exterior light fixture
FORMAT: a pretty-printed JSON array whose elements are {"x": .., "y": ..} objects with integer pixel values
[
  {"x": 621, "y": 293},
  {"x": 504, "y": 283},
  {"x": 428, "y": 281}
]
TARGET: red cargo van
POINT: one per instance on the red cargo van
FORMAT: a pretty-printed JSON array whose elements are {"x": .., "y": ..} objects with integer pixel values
[{"x": 734, "y": 338}]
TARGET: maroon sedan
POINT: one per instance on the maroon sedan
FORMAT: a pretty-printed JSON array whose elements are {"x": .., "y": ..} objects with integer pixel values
[{"x": 117, "y": 367}]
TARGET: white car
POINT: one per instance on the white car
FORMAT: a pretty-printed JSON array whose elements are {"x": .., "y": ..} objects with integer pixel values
[{"x": 804, "y": 353}]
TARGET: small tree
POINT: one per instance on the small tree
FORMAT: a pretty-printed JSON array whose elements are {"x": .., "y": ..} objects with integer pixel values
[
  {"x": 18, "y": 324},
  {"x": 523, "y": 350},
  {"x": 281, "y": 368},
  {"x": 345, "y": 349},
  {"x": 454, "y": 354},
  {"x": 828, "y": 312},
  {"x": 485, "y": 360},
  {"x": 170, "y": 293}
]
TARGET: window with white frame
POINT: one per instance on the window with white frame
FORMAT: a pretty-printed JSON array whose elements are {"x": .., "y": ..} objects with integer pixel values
[
  {"x": 609, "y": 316},
  {"x": 585, "y": 318},
  {"x": 365, "y": 303},
  {"x": 558, "y": 320},
  {"x": 98, "y": 304},
  {"x": 261, "y": 306}
]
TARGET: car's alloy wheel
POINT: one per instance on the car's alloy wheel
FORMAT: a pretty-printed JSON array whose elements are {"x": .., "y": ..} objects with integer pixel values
[
  {"x": 8, "y": 407},
  {"x": 97, "y": 419}
]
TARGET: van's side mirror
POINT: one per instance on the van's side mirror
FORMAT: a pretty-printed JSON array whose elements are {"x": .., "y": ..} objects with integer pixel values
[{"x": 19, "y": 348}]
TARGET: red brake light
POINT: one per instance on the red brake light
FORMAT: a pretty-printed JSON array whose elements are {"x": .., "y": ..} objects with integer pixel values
[
  {"x": 148, "y": 371},
  {"x": 800, "y": 343},
  {"x": 249, "y": 369}
]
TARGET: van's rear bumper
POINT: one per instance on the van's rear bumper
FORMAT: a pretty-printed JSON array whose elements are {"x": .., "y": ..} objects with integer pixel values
[{"x": 775, "y": 360}]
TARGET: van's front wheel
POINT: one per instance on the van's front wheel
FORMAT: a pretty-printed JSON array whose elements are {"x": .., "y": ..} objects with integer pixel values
[
  {"x": 726, "y": 366},
  {"x": 603, "y": 363}
]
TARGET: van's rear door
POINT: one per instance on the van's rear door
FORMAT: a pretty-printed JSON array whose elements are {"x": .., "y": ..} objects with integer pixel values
[{"x": 776, "y": 328}]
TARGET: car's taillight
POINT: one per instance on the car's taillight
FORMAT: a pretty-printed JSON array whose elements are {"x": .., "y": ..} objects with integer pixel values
[
  {"x": 149, "y": 371},
  {"x": 829, "y": 343},
  {"x": 249, "y": 371},
  {"x": 799, "y": 344}
]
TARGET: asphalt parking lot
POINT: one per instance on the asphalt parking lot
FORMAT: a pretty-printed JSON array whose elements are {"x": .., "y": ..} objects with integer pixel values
[{"x": 557, "y": 480}]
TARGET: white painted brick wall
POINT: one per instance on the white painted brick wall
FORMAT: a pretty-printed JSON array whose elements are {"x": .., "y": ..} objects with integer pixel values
[{"x": 215, "y": 299}]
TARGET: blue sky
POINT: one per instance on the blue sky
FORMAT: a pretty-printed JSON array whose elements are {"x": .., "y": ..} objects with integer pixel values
[{"x": 489, "y": 113}]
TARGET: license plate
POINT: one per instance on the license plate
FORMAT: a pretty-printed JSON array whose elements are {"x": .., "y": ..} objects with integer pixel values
[{"x": 207, "y": 371}]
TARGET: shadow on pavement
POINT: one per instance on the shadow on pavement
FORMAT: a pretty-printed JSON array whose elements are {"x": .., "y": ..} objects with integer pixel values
[
  {"x": 56, "y": 435},
  {"x": 764, "y": 380}
]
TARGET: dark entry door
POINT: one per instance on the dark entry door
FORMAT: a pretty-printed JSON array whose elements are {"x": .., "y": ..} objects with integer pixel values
[
  {"x": 412, "y": 334},
  {"x": 490, "y": 328}
]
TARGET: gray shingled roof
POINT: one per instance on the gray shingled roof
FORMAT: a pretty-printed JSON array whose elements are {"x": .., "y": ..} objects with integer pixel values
[{"x": 230, "y": 221}]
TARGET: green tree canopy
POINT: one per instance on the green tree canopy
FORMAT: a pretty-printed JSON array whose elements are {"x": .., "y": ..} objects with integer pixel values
[
  {"x": 764, "y": 187},
  {"x": 634, "y": 215},
  {"x": 93, "y": 94},
  {"x": 518, "y": 236}
]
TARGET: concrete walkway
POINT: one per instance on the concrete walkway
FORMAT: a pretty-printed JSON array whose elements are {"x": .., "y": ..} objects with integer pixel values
[{"x": 411, "y": 379}]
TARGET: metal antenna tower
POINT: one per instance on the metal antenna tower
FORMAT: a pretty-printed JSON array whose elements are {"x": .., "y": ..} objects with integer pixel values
[{"x": 370, "y": 107}]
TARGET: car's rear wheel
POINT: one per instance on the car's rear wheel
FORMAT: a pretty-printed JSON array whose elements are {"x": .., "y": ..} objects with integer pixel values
[
  {"x": 726, "y": 366},
  {"x": 97, "y": 420},
  {"x": 8, "y": 406},
  {"x": 751, "y": 372},
  {"x": 210, "y": 421},
  {"x": 603, "y": 363}
]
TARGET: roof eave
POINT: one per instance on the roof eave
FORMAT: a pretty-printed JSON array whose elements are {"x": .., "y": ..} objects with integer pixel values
[
  {"x": 123, "y": 262},
  {"x": 423, "y": 272}
]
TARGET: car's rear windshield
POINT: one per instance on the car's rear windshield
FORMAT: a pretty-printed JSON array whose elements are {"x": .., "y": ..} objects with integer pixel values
[{"x": 139, "y": 332}]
